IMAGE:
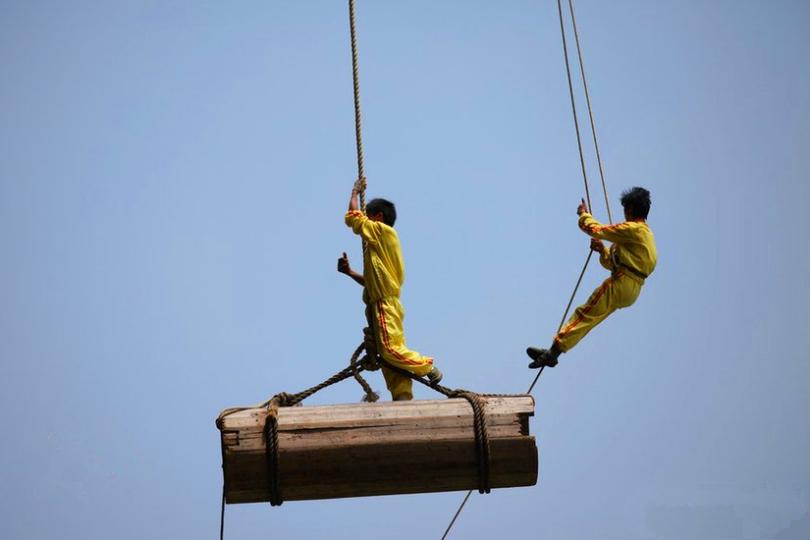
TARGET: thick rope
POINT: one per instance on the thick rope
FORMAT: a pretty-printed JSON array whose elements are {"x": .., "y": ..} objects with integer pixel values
[
  {"x": 358, "y": 121},
  {"x": 283, "y": 399},
  {"x": 356, "y": 365},
  {"x": 482, "y": 446},
  {"x": 271, "y": 445}
]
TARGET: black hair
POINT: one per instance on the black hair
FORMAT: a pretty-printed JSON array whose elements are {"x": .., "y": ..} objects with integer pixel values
[
  {"x": 636, "y": 202},
  {"x": 389, "y": 211}
]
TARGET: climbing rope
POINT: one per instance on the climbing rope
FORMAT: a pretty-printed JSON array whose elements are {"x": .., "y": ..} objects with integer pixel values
[
  {"x": 585, "y": 181},
  {"x": 360, "y": 185}
]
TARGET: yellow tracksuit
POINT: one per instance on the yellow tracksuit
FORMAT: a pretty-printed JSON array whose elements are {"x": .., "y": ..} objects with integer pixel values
[
  {"x": 631, "y": 258},
  {"x": 384, "y": 273}
]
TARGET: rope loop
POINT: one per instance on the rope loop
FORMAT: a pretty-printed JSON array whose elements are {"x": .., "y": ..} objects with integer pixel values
[
  {"x": 357, "y": 364},
  {"x": 271, "y": 444},
  {"x": 482, "y": 446}
]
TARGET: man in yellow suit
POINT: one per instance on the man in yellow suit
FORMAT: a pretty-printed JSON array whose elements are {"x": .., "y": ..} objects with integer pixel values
[
  {"x": 630, "y": 259},
  {"x": 382, "y": 278}
]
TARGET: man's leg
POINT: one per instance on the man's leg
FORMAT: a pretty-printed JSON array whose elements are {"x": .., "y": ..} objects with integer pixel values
[
  {"x": 388, "y": 316},
  {"x": 400, "y": 386},
  {"x": 602, "y": 302}
]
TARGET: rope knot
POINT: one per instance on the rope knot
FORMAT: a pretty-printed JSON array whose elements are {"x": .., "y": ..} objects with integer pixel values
[
  {"x": 284, "y": 399},
  {"x": 370, "y": 362}
]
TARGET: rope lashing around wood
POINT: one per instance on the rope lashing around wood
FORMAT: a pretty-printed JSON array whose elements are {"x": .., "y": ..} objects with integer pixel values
[
  {"x": 479, "y": 420},
  {"x": 356, "y": 365}
]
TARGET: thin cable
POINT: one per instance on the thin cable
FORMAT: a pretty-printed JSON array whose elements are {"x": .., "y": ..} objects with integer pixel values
[
  {"x": 576, "y": 288},
  {"x": 574, "y": 106},
  {"x": 534, "y": 382},
  {"x": 460, "y": 508},
  {"x": 590, "y": 111},
  {"x": 222, "y": 515},
  {"x": 565, "y": 315}
]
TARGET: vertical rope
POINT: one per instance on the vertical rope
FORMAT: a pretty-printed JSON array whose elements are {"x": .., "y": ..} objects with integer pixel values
[
  {"x": 358, "y": 121},
  {"x": 574, "y": 106},
  {"x": 590, "y": 110},
  {"x": 222, "y": 515}
]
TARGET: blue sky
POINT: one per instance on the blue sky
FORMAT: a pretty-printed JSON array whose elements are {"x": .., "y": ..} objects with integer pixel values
[{"x": 173, "y": 178}]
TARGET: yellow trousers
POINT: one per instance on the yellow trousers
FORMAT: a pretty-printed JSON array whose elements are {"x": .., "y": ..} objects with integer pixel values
[
  {"x": 616, "y": 292},
  {"x": 387, "y": 315}
]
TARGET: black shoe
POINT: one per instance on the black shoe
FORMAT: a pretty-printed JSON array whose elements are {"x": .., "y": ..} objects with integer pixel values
[
  {"x": 541, "y": 357},
  {"x": 435, "y": 376}
]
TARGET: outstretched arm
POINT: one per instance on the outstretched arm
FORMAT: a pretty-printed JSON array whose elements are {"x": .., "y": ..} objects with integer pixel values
[{"x": 344, "y": 268}]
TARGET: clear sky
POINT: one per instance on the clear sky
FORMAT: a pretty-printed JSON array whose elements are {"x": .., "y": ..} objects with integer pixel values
[{"x": 173, "y": 178}]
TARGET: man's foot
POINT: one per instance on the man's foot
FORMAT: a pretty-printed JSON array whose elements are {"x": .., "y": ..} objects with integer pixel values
[
  {"x": 542, "y": 357},
  {"x": 405, "y": 396},
  {"x": 435, "y": 376}
]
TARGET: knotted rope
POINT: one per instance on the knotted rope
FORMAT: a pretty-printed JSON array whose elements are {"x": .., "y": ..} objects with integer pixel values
[{"x": 356, "y": 365}]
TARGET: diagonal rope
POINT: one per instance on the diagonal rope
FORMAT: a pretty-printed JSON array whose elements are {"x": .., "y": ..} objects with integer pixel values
[{"x": 587, "y": 193}]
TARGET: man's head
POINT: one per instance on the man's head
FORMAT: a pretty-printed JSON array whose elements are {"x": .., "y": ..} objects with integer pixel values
[
  {"x": 382, "y": 210},
  {"x": 636, "y": 203}
]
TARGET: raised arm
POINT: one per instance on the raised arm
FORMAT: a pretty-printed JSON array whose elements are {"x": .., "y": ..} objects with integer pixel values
[
  {"x": 360, "y": 223},
  {"x": 359, "y": 185}
]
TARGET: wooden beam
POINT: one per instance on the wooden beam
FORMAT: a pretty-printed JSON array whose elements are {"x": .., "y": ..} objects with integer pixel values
[{"x": 378, "y": 449}]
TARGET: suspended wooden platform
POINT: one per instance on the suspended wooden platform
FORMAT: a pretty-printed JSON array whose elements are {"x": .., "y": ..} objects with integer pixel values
[{"x": 365, "y": 449}]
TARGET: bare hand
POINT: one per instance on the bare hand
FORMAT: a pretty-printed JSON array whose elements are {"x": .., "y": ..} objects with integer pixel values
[
  {"x": 343, "y": 265},
  {"x": 359, "y": 185},
  {"x": 597, "y": 245},
  {"x": 582, "y": 208}
]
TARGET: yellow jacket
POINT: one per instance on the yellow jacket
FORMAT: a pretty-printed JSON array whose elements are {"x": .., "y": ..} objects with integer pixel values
[
  {"x": 383, "y": 269},
  {"x": 633, "y": 244}
]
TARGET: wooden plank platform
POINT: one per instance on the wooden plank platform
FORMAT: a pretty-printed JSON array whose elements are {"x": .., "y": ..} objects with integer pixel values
[{"x": 366, "y": 449}]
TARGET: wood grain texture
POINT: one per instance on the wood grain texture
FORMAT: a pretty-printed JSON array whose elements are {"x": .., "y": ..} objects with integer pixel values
[{"x": 388, "y": 448}]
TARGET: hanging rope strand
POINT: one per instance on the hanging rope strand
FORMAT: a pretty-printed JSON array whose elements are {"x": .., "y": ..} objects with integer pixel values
[
  {"x": 358, "y": 121},
  {"x": 574, "y": 107},
  {"x": 590, "y": 111}
]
